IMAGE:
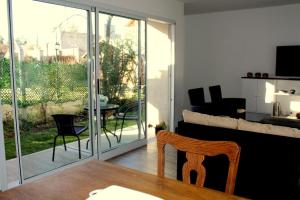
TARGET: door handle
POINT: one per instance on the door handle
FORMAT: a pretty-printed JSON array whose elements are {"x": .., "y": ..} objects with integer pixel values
[{"x": 98, "y": 86}]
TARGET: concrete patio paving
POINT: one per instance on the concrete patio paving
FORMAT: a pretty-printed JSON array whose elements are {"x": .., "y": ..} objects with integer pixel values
[{"x": 40, "y": 162}]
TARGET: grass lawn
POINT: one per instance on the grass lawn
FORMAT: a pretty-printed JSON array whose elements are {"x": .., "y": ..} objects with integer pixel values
[{"x": 32, "y": 142}]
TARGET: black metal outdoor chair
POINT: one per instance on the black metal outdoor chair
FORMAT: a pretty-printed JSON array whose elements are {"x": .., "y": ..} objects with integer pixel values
[
  {"x": 65, "y": 127},
  {"x": 128, "y": 111}
]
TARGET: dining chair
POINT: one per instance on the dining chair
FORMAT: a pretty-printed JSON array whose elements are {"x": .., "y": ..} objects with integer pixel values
[
  {"x": 65, "y": 127},
  {"x": 196, "y": 96},
  {"x": 196, "y": 150},
  {"x": 233, "y": 107},
  {"x": 197, "y": 102}
]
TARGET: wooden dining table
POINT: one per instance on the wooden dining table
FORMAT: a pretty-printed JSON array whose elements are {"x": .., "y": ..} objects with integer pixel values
[{"x": 77, "y": 182}]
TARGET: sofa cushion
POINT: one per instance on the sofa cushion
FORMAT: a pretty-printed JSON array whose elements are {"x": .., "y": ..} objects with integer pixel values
[
  {"x": 252, "y": 126},
  {"x": 268, "y": 129},
  {"x": 225, "y": 122},
  {"x": 283, "y": 131},
  {"x": 195, "y": 117},
  {"x": 210, "y": 120},
  {"x": 240, "y": 124}
]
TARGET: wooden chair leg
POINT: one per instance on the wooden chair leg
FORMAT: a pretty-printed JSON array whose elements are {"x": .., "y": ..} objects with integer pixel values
[
  {"x": 64, "y": 143},
  {"x": 54, "y": 144},
  {"x": 79, "y": 150}
]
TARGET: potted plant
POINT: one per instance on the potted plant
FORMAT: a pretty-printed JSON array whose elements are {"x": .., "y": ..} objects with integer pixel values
[{"x": 161, "y": 126}]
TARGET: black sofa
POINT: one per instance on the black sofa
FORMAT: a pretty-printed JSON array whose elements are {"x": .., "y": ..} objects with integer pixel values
[{"x": 269, "y": 166}]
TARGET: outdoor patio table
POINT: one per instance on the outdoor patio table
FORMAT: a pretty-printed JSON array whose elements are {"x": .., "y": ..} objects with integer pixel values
[{"x": 104, "y": 110}]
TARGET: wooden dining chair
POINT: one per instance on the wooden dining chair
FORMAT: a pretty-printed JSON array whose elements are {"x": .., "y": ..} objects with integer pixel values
[{"x": 196, "y": 150}]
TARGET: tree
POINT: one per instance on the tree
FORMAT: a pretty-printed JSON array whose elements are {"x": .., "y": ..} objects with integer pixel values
[
  {"x": 4, "y": 73},
  {"x": 3, "y": 47},
  {"x": 118, "y": 69},
  {"x": 108, "y": 28}
]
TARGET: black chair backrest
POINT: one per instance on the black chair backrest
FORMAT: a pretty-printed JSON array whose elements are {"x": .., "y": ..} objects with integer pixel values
[
  {"x": 65, "y": 124},
  {"x": 196, "y": 96},
  {"x": 215, "y": 94},
  {"x": 130, "y": 109}
]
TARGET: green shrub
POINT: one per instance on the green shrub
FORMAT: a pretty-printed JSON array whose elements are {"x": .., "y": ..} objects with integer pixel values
[{"x": 119, "y": 69}]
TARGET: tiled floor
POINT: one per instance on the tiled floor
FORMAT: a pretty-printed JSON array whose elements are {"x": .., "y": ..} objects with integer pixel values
[{"x": 145, "y": 159}]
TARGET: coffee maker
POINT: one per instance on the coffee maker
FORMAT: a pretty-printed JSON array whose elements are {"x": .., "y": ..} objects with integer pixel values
[{"x": 276, "y": 109}]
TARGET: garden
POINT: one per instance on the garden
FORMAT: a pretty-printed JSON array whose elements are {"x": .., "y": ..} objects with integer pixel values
[{"x": 59, "y": 84}]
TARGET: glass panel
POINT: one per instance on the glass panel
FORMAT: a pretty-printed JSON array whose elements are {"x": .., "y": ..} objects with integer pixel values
[
  {"x": 158, "y": 74},
  {"x": 52, "y": 78},
  {"x": 6, "y": 97},
  {"x": 119, "y": 102}
]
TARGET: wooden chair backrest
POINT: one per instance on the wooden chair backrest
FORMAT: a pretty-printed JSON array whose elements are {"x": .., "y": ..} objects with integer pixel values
[{"x": 196, "y": 150}]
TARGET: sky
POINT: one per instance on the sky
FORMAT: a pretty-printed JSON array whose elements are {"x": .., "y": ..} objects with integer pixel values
[
  {"x": 39, "y": 25},
  {"x": 38, "y": 21}
]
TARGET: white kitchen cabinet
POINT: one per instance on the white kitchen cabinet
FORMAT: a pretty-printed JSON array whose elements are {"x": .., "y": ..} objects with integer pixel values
[
  {"x": 259, "y": 94},
  {"x": 249, "y": 92}
]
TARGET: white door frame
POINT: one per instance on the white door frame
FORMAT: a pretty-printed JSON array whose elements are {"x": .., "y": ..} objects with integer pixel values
[
  {"x": 171, "y": 69},
  {"x": 172, "y": 77},
  {"x": 3, "y": 172}
]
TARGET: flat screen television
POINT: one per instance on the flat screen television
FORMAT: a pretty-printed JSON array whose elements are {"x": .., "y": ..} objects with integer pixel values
[{"x": 288, "y": 61}]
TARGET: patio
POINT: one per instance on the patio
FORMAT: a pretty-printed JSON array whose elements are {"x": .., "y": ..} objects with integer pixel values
[{"x": 40, "y": 162}]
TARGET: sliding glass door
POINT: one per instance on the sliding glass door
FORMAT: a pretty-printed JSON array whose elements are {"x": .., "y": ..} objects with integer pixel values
[
  {"x": 61, "y": 91},
  {"x": 52, "y": 77},
  {"x": 8, "y": 155},
  {"x": 121, "y": 79}
]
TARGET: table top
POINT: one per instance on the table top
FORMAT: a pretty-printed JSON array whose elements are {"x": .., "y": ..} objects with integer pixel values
[
  {"x": 77, "y": 182},
  {"x": 105, "y": 108},
  {"x": 109, "y": 107}
]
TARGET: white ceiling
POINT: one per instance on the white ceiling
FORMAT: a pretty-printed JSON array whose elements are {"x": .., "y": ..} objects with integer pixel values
[{"x": 205, "y": 6}]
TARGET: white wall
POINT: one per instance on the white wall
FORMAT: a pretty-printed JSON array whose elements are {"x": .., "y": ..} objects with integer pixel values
[
  {"x": 158, "y": 102},
  {"x": 158, "y": 9},
  {"x": 222, "y": 47}
]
